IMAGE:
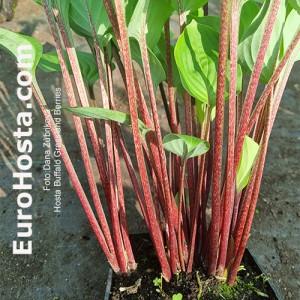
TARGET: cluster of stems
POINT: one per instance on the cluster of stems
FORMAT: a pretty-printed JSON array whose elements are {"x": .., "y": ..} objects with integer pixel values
[{"x": 183, "y": 235}]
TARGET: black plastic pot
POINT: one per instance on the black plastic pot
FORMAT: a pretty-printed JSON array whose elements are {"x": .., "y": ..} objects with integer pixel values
[
  {"x": 108, "y": 284},
  {"x": 248, "y": 258},
  {"x": 252, "y": 261}
]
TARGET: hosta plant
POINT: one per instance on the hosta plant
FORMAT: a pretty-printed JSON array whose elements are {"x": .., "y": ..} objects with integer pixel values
[{"x": 219, "y": 125}]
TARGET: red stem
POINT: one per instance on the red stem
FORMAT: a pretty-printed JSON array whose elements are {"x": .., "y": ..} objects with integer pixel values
[
  {"x": 80, "y": 133},
  {"x": 111, "y": 199},
  {"x": 117, "y": 207},
  {"x": 250, "y": 201},
  {"x": 196, "y": 211},
  {"x": 188, "y": 117},
  {"x": 154, "y": 228},
  {"x": 205, "y": 233},
  {"x": 257, "y": 176},
  {"x": 74, "y": 178},
  {"x": 230, "y": 181},
  {"x": 281, "y": 86},
  {"x": 121, "y": 203},
  {"x": 118, "y": 140},
  {"x": 163, "y": 161},
  {"x": 180, "y": 212},
  {"x": 218, "y": 137},
  {"x": 254, "y": 79},
  {"x": 273, "y": 80},
  {"x": 99, "y": 156},
  {"x": 171, "y": 90},
  {"x": 112, "y": 18},
  {"x": 237, "y": 200}
]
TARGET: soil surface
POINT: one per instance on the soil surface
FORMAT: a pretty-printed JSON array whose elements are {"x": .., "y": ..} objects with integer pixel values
[
  {"x": 146, "y": 282},
  {"x": 67, "y": 262}
]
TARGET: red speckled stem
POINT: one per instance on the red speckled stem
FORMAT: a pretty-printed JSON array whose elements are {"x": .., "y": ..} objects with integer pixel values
[
  {"x": 154, "y": 227},
  {"x": 218, "y": 138}
]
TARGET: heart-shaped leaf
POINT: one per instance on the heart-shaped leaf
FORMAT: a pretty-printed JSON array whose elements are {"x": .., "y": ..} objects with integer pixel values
[
  {"x": 185, "y": 146},
  {"x": 108, "y": 115},
  {"x": 177, "y": 296},
  {"x": 249, "y": 153}
]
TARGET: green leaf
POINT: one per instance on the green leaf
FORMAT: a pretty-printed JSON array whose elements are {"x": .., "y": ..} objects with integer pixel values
[
  {"x": 177, "y": 296},
  {"x": 63, "y": 7},
  {"x": 11, "y": 42},
  {"x": 248, "y": 13},
  {"x": 187, "y": 197},
  {"x": 138, "y": 19},
  {"x": 160, "y": 52},
  {"x": 50, "y": 63},
  {"x": 202, "y": 110},
  {"x": 188, "y": 4},
  {"x": 88, "y": 66},
  {"x": 251, "y": 40},
  {"x": 156, "y": 281},
  {"x": 156, "y": 13},
  {"x": 185, "y": 146},
  {"x": 210, "y": 21},
  {"x": 196, "y": 55},
  {"x": 129, "y": 9},
  {"x": 193, "y": 15},
  {"x": 108, "y": 115},
  {"x": 261, "y": 294},
  {"x": 79, "y": 20},
  {"x": 249, "y": 153},
  {"x": 295, "y": 4},
  {"x": 157, "y": 71},
  {"x": 291, "y": 26}
]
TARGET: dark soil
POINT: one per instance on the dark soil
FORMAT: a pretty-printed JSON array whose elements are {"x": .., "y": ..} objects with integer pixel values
[{"x": 139, "y": 285}]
